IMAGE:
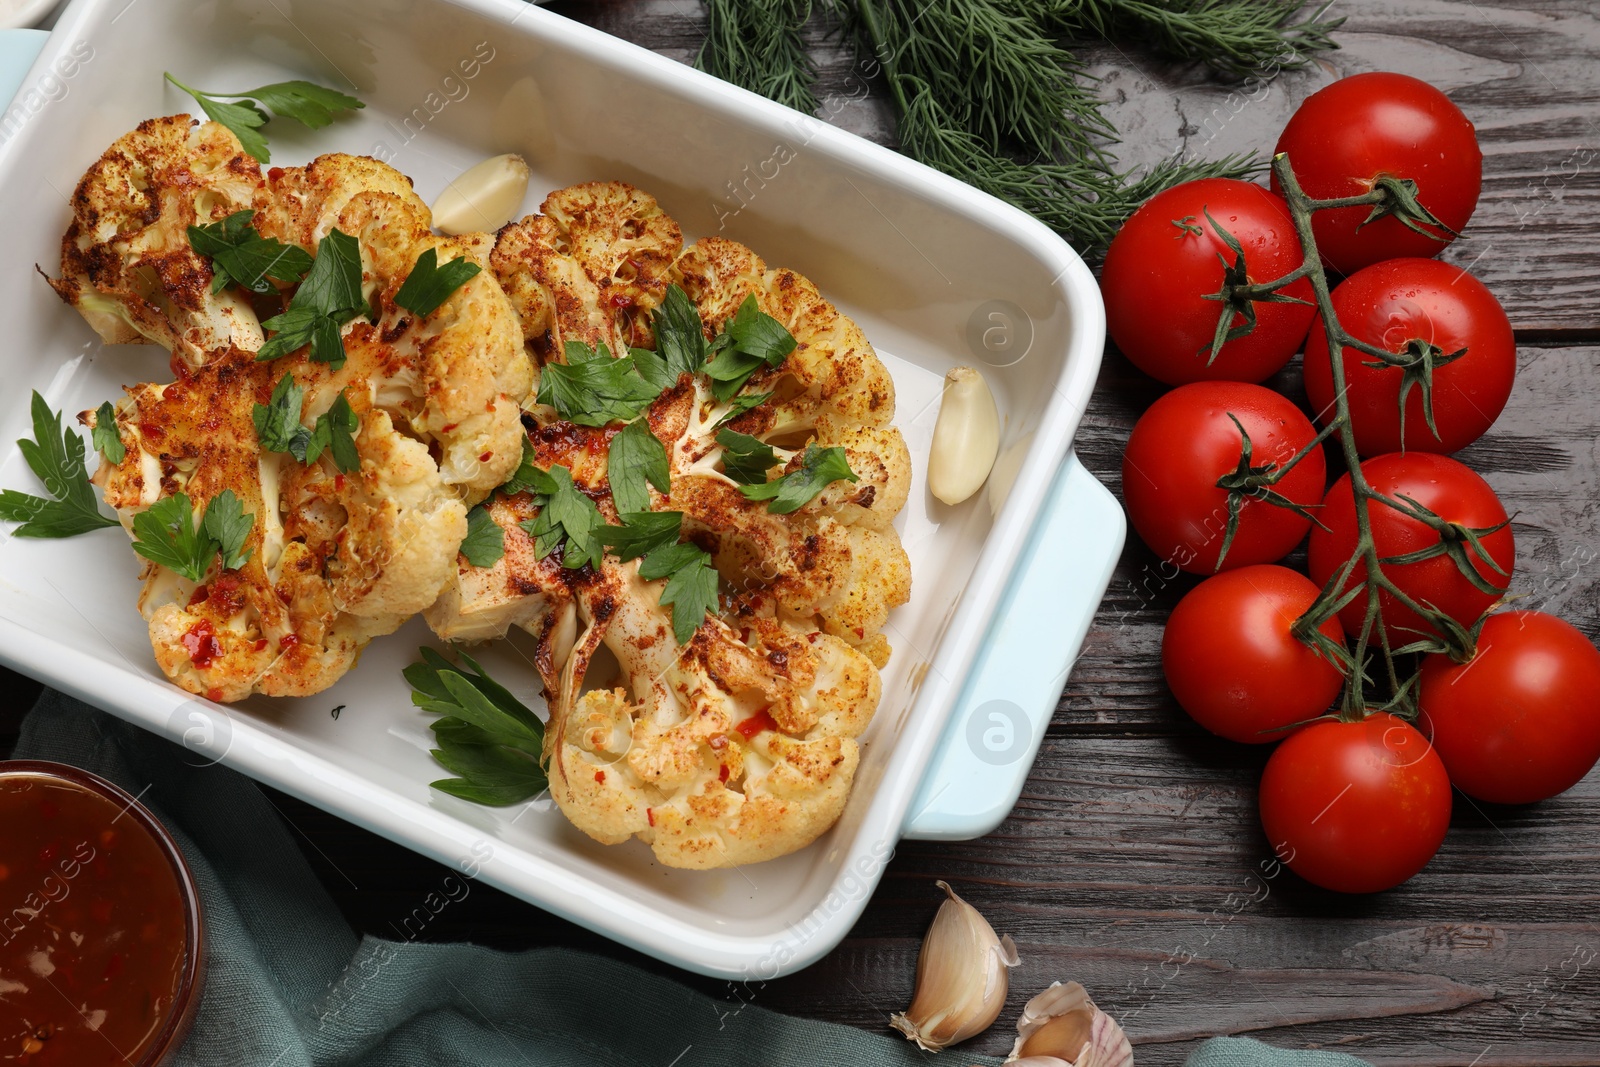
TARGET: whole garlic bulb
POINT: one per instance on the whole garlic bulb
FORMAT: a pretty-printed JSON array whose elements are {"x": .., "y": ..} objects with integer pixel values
[
  {"x": 961, "y": 977},
  {"x": 1061, "y": 1027}
]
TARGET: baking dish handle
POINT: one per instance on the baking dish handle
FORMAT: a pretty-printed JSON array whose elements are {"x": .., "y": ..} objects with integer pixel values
[
  {"x": 18, "y": 50},
  {"x": 978, "y": 770}
]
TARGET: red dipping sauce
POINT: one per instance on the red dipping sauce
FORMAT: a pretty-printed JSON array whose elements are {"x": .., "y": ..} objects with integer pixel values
[{"x": 100, "y": 925}]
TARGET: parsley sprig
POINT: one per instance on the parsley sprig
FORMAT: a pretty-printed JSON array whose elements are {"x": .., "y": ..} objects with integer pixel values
[
  {"x": 166, "y": 533},
  {"x": 593, "y": 388},
  {"x": 652, "y": 538},
  {"x": 329, "y": 297},
  {"x": 486, "y": 736},
  {"x": 567, "y": 519},
  {"x": 819, "y": 468},
  {"x": 56, "y": 457},
  {"x": 279, "y": 429},
  {"x": 306, "y": 102},
  {"x": 485, "y": 542},
  {"x": 430, "y": 285},
  {"x": 681, "y": 346},
  {"x": 636, "y": 456},
  {"x": 745, "y": 459},
  {"x": 106, "y": 435},
  {"x": 241, "y": 256},
  {"x": 750, "y": 341}
]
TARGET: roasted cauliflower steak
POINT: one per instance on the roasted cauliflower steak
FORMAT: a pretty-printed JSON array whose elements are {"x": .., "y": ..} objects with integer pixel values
[
  {"x": 739, "y": 745},
  {"x": 337, "y": 556}
]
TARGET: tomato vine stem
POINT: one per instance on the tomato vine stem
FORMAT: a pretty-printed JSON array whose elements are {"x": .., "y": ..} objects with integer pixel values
[{"x": 1334, "y": 597}]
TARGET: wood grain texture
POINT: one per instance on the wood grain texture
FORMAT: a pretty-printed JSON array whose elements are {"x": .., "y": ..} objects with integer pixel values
[{"x": 1134, "y": 862}]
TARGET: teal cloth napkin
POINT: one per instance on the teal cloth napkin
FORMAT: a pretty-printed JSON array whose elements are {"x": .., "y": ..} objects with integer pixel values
[{"x": 289, "y": 984}]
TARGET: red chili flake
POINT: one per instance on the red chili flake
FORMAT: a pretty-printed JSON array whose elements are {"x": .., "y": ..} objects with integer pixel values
[
  {"x": 260, "y": 645},
  {"x": 227, "y": 582},
  {"x": 200, "y": 641},
  {"x": 755, "y": 724},
  {"x": 199, "y": 596},
  {"x": 621, "y": 300},
  {"x": 600, "y": 776},
  {"x": 486, "y": 456},
  {"x": 650, "y": 814},
  {"x": 274, "y": 173},
  {"x": 214, "y": 693},
  {"x": 289, "y": 641},
  {"x": 860, "y": 633},
  {"x": 723, "y": 774},
  {"x": 338, "y": 483},
  {"x": 151, "y": 430},
  {"x": 812, "y": 637},
  {"x": 447, "y": 429}
]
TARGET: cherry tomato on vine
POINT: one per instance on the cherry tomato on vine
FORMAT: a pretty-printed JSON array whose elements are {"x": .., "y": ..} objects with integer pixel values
[
  {"x": 1367, "y": 127},
  {"x": 1356, "y": 807},
  {"x": 1455, "y": 495},
  {"x": 1426, "y": 312},
  {"x": 1185, "y": 443},
  {"x": 1519, "y": 722},
  {"x": 1233, "y": 663},
  {"x": 1165, "y": 261}
]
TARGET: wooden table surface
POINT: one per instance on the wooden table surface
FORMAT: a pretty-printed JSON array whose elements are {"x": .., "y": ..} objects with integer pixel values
[{"x": 1133, "y": 862}]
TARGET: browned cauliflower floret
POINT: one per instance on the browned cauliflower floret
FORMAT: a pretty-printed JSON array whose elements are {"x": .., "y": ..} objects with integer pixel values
[
  {"x": 126, "y": 264},
  {"x": 739, "y": 745},
  {"x": 590, "y": 268},
  {"x": 335, "y": 559}
]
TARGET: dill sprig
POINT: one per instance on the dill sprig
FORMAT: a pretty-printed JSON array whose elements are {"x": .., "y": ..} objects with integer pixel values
[
  {"x": 985, "y": 90},
  {"x": 755, "y": 44},
  {"x": 1241, "y": 38}
]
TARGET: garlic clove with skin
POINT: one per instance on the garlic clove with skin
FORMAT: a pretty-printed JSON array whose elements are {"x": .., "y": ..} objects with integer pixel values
[
  {"x": 483, "y": 197},
  {"x": 966, "y": 438},
  {"x": 961, "y": 977},
  {"x": 1062, "y": 1027}
]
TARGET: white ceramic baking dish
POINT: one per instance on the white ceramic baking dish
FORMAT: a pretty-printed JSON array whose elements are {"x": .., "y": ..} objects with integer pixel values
[{"x": 937, "y": 274}]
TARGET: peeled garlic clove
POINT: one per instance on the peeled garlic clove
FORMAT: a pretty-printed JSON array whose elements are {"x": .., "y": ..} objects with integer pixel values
[
  {"x": 483, "y": 197},
  {"x": 1061, "y": 1027},
  {"x": 961, "y": 977},
  {"x": 965, "y": 439}
]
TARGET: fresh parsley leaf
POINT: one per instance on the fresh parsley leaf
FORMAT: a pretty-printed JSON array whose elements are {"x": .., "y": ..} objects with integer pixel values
[
  {"x": 303, "y": 101},
  {"x": 819, "y": 468},
  {"x": 56, "y": 457},
  {"x": 329, "y": 297},
  {"x": 750, "y": 341},
  {"x": 635, "y": 457},
  {"x": 668, "y": 559},
  {"x": 568, "y": 519},
  {"x": 227, "y": 525},
  {"x": 429, "y": 285},
  {"x": 529, "y": 477},
  {"x": 241, "y": 256},
  {"x": 278, "y": 427},
  {"x": 745, "y": 459},
  {"x": 166, "y": 533},
  {"x": 333, "y": 432},
  {"x": 107, "y": 438},
  {"x": 742, "y": 404},
  {"x": 306, "y": 102},
  {"x": 487, "y": 737},
  {"x": 642, "y": 532},
  {"x": 591, "y": 388},
  {"x": 680, "y": 335},
  {"x": 485, "y": 542},
  {"x": 691, "y": 589}
]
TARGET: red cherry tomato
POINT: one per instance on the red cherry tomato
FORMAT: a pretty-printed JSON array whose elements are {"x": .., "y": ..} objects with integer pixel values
[
  {"x": 1390, "y": 305},
  {"x": 1448, "y": 489},
  {"x": 1232, "y": 662},
  {"x": 1520, "y": 722},
  {"x": 1185, "y": 442},
  {"x": 1356, "y": 807},
  {"x": 1164, "y": 262},
  {"x": 1367, "y": 126}
]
